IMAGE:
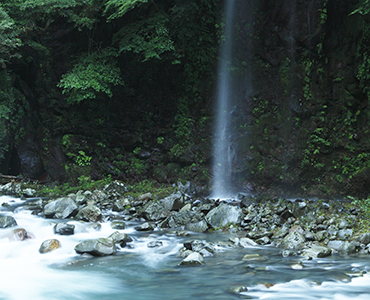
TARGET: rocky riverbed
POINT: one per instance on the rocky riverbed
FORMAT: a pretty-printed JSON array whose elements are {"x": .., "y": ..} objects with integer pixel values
[{"x": 309, "y": 228}]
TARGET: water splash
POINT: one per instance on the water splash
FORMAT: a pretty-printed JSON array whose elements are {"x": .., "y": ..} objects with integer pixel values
[{"x": 223, "y": 149}]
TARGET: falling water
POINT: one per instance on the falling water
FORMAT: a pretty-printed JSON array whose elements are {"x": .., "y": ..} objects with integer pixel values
[{"x": 223, "y": 150}]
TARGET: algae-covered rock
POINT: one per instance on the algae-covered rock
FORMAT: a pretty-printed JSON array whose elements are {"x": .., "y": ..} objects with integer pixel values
[{"x": 49, "y": 245}]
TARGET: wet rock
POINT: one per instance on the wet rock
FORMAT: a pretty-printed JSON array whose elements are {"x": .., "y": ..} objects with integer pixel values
[
  {"x": 293, "y": 240},
  {"x": 89, "y": 213},
  {"x": 28, "y": 192},
  {"x": 155, "y": 244},
  {"x": 93, "y": 227},
  {"x": 193, "y": 259},
  {"x": 145, "y": 227},
  {"x": 80, "y": 198},
  {"x": 347, "y": 248},
  {"x": 61, "y": 208},
  {"x": 246, "y": 242},
  {"x": 288, "y": 253},
  {"x": 118, "y": 225},
  {"x": 199, "y": 245},
  {"x": 154, "y": 211},
  {"x": 281, "y": 233},
  {"x": 321, "y": 235},
  {"x": 188, "y": 188},
  {"x": 263, "y": 240},
  {"x": 173, "y": 202},
  {"x": 64, "y": 229},
  {"x": 144, "y": 197},
  {"x": 121, "y": 204},
  {"x": 335, "y": 245},
  {"x": 200, "y": 226},
  {"x": 309, "y": 236},
  {"x": 120, "y": 238},
  {"x": 49, "y": 245},
  {"x": 116, "y": 189},
  {"x": 345, "y": 234},
  {"x": 223, "y": 215},
  {"x": 11, "y": 188},
  {"x": 364, "y": 238},
  {"x": 253, "y": 257},
  {"x": 343, "y": 224},
  {"x": 316, "y": 252},
  {"x": 20, "y": 234},
  {"x": 7, "y": 221},
  {"x": 97, "y": 247},
  {"x": 238, "y": 289}
]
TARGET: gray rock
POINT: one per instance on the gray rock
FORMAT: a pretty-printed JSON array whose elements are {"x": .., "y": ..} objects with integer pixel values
[
  {"x": 335, "y": 245},
  {"x": 96, "y": 247},
  {"x": 364, "y": 238},
  {"x": 199, "y": 245},
  {"x": 81, "y": 199},
  {"x": 223, "y": 215},
  {"x": 120, "y": 238},
  {"x": 263, "y": 240},
  {"x": 343, "y": 224},
  {"x": 7, "y": 221},
  {"x": 200, "y": 226},
  {"x": 193, "y": 259},
  {"x": 11, "y": 188},
  {"x": 173, "y": 202},
  {"x": 294, "y": 240},
  {"x": 28, "y": 192},
  {"x": 89, "y": 213},
  {"x": 347, "y": 248},
  {"x": 185, "y": 218},
  {"x": 154, "y": 211},
  {"x": 155, "y": 244},
  {"x": 345, "y": 234},
  {"x": 64, "y": 229},
  {"x": 145, "y": 227},
  {"x": 118, "y": 225},
  {"x": 116, "y": 188},
  {"x": 246, "y": 242},
  {"x": 49, "y": 245},
  {"x": 321, "y": 235},
  {"x": 238, "y": 289},
  {"x": 316, "y": 252},
  {"x": 60, "y": 209},
  {"x": 121, "y": 204},
  {"x": 145, "y": 197}
]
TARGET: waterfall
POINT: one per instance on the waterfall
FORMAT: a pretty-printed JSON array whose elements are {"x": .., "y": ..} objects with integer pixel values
[{"x": 223, "y": 150}]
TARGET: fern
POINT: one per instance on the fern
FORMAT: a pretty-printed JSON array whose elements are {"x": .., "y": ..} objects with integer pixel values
[{"x": 121, "y": 7}]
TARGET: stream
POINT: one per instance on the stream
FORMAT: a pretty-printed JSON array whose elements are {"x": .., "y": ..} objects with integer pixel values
[{"x": 138, "y": 272}]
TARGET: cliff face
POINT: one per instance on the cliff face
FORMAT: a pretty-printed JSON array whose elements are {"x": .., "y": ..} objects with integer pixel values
[
  {"x": 301, "y": 112},
  {"x": 307, "y": 130}
]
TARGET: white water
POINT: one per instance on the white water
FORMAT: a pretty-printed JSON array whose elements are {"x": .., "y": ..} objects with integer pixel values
[
  {"x": 142, "y": 273},
  {"x": 223, "y": 150}
]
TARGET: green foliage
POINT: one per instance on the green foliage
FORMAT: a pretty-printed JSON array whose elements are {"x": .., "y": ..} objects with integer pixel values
[
  {"x": 117, "y": 8},
  {"x": 92, "y": 75},
  {"x": 363, "y": 9},
  {"x": 9, "y": 40},
  {"x": 150, "y": 38}
]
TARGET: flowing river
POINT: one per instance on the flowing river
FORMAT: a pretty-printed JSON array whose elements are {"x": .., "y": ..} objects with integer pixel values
[{"x": 140, "y": 273}]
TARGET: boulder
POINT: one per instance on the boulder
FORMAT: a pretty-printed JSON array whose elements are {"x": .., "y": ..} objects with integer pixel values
[
  {"x": 316, "y": 252},
  {"x": 90, "y": 213},
  {"x": 121, "y": 204},
  {"x": 193, "y": 259},
  {"x": 173, "y": 202},
  {"x": 20, "y": 234},
  {"x": 61, "y": 208},
  {"x": 246, "y": 242},
  {"x": 11, "y": 188},
  {"x": 49, "y": 245},
  {"x": 118, "y": 224},
  {"x": 294, "y": 240},
  {"x": 200, "y": 226},
  {"x": 145, "y": 227},
  {"x": 96, "y": 247},
  {"x": 154, "y": 211},
  {"x": 347, "y": 248},
  {"x": 116, "y": 189},
  {"x": 223, "y": 215},
  {"x": 7, "y": 221},
  {"x": 64, "y": 229},
  {"x": 144, "y": 197},
  {"x": 364, "y": 238},
  {"x": 120, "y": 238},
  {"x": 199, "y": 245},
  {"x": 182, "y": 218}
]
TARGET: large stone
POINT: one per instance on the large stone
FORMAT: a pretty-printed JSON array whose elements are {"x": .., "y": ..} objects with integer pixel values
[
  {"x": 364, "y": 238},
  {"x": 145, "y": 227},
  {"x": 49, "y": 245},
  {"x": 193, "y": 259},
  {"x": 117, "y": 224},
  {"x": 97, "y": 247},
  {"x": 316, "y": 252},
  {"x": 116, "y": 188},
  {"x": 200, "y": 226},
  {"x": 89, "y": 213},
  {"x": 61, "y": 208},
  {"x": 20, "y": 234},
  {"x": 182, "y": 218},
  {"x": 294, "y": 240},
  {"x": 64, "y": 229},
  {"x": 173, "y": 202},
  {"x": 246, "y": 242},
  {"x": 7, "y": 221},
  {"x": 223, "y": 215},
  {"x": 120, "y": 238},
  {"x": 347, "y": 248},
  {"x": 154, "y": 211}
]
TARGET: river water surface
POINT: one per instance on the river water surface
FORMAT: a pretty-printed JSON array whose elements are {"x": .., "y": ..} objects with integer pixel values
[{"x": 142, "y": 273}]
